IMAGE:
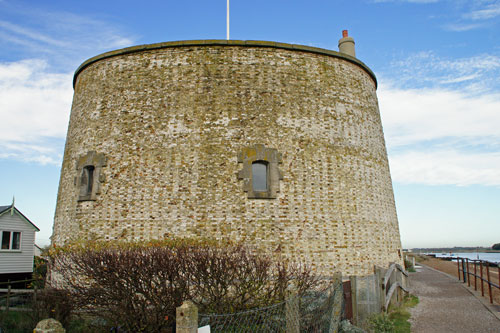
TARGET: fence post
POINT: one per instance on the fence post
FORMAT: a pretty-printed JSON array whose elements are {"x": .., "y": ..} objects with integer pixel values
[
  {"x": 292, "y": 313},
  {"x": 467, "y": 268},
  {"x": 498, "y": 275},
  {"x": 482, "y": 284},
  {"x": 8, "y": 296},
  {"x": 354, "y": 298},
  {"x": 458, "y": 268},
  {"x": 338, "y": 298},
  {"x": 489, "y": 282},
  {"x": 475, "y": 275},
  {"x": 463, "y": 270},
  {"x": 346, "y": 290},
  {"x": 186, "y": 318},
  {"x": 379, "y": 276}
]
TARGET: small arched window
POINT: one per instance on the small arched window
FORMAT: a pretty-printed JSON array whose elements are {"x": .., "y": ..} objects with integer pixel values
[
  {"x": 89, "y": 175},
  {"x": 260, "y": 172},
  {"x": 87, "y": 180},
  {"x": 259, "y": 176}
]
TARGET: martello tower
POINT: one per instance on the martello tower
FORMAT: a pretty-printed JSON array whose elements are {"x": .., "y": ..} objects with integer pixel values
[{"x": 276, "y": 145}]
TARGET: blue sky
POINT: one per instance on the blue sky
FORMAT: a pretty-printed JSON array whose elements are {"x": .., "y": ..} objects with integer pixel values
[{"x": 437, "y": 63}]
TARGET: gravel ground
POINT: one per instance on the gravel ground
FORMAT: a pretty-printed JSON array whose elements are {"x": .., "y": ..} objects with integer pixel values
[
  {"x": 450, "y": 267},
  {"x": 446, "y": 306}
]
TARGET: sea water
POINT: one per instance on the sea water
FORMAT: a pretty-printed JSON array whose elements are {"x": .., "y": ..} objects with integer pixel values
[{"x": 488, "y": 256}]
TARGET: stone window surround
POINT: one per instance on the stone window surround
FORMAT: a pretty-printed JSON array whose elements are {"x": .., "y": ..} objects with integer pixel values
[
  {"x": 97, "y": 161},
  {"x": 269, "y": 156}
]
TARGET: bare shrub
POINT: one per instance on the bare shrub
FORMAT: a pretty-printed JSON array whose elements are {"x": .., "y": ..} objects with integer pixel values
[
  {"x": 138, "y": 287},
  {"x": 229, "y": 279},
  {"x": 52, "y": 303}
]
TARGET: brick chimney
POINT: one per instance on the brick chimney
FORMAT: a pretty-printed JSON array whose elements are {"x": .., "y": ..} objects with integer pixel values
[{"x": 346, "y": 44}]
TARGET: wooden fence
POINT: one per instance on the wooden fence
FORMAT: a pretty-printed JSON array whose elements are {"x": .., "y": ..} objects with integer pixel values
[
  {"x": 394, "y": 286},
  {"x": 373, "y": 294},
  {"x": 10, "y": 294}
]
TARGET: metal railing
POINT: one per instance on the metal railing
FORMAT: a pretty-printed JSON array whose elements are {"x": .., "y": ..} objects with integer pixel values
[{"x": 464, "y": 274}]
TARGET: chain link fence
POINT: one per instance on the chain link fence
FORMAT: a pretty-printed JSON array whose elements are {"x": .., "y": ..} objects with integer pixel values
[{"x": 314, "y": 311}]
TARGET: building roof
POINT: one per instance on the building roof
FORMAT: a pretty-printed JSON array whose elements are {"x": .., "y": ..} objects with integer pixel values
[{"x": 5, "y": 208}]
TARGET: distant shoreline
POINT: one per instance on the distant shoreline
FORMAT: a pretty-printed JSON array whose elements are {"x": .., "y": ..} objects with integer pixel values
[{"x": 455, "y": 250}]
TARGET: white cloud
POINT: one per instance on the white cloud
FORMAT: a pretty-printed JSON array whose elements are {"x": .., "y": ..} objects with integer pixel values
[
  {"x": 473, "y": 15},
  {"x": 477, "y": 74},
  {"x": 491, "y": 11},
  {"x": 84, "y": 32},
  {"x": 460, "y": 27},
  {"x": 35, "y": 94},
  {"x": 446, "y": 167},
  {"x": 61, "y": 38},
  {"x": 30, "y": 34},
  {"x": 415, "y": 116},
  {"x": 438, "y": 136},
  {"x": 461, "y": 15},
  {"x": 34, "y": 108},
  {"x": 410, "y": 1},
  {"x": 460, "y": 79}
]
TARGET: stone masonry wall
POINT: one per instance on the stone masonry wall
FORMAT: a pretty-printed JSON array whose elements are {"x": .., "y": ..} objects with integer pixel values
[{"x": 171, "y": 122}]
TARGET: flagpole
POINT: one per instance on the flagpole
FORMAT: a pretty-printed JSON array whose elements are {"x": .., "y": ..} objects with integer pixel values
[{"x": 227, "y": 25}]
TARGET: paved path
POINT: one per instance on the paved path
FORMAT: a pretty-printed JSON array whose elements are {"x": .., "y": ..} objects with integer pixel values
[{"x": 446, "y": 306}]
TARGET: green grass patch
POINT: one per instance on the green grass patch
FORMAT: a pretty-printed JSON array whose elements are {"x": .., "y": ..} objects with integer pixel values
[
  {"x": 400, "y": 321},
  {"x": 15, "y": 322},
  {"x": 411, "y": 301},
  {"x": 396, "y": 321},
  {"x": 399, "y": 316}
]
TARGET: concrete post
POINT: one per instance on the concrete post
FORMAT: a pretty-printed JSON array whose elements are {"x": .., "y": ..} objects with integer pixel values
[
  {"x": 186, "y": 318},
  {"x": 354, "y": 298},
  {"x": 379, "y": 278},
  {"x": 49, "y": 326},
  {"x": 336, "y": 315},
  {"x": 292, "y": 313}
]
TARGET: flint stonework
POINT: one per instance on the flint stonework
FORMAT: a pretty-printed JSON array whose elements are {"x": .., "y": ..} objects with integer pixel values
[{"x": 171, "y": 120}]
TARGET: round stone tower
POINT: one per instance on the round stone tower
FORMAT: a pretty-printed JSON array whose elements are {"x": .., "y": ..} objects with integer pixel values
[{"x": 278, "y": 146}]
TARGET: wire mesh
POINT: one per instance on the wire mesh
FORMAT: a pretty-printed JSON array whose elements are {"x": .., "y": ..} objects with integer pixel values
[
  {"x": 268, "y": 319},
  {"x": 314, "y": 311}
]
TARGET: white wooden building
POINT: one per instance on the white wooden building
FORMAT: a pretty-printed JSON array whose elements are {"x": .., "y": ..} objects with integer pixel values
[{"x": 17, "y": 239}]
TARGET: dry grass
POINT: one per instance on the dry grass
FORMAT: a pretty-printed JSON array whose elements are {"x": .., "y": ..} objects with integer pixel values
[{"x": 450, "y": 267}]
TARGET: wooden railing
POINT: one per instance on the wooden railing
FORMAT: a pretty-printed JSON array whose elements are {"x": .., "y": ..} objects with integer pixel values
[
  {"x": 464, "y": 274},
  {"x": 11, "y": 292},
  {"x": 394, "y": 281}
]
